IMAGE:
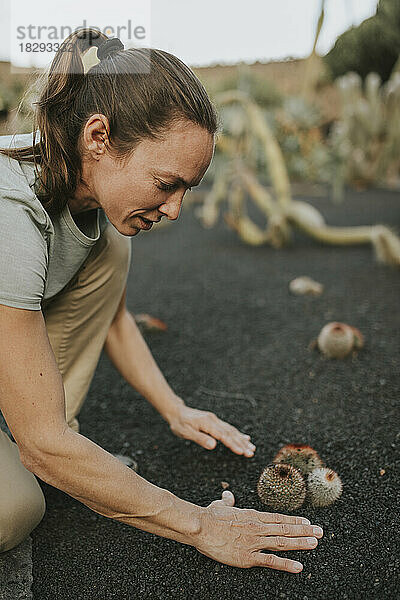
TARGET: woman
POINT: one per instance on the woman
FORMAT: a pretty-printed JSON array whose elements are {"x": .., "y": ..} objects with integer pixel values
[{"x": 119, "y": 145}]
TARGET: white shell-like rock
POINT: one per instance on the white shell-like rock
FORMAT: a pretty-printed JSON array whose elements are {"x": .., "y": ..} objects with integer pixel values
[
  {"x": 305, "y": 286},
  {"x": 324, "y": 486}
]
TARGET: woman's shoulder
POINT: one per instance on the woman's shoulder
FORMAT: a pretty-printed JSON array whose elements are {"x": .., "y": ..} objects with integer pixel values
[
  {"x": 16, "y": 180},
  {"x": 11, "y": 174}
]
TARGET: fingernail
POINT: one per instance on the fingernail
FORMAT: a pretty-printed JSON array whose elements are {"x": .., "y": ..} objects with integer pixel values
[
  {"x": 317, "y": 530},
  {"x": 297, "y": 566},
  {"x": 311, "y": 541},
  {"x": 305, "y": 521},
  {"x": 248, "y": 453}
]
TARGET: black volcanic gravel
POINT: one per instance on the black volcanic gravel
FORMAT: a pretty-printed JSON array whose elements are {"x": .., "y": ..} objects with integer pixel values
[{"x": 238, "y": 344}]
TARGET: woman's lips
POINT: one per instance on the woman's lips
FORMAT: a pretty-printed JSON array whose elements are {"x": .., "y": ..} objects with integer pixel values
[{"x": 146, "y": 224}]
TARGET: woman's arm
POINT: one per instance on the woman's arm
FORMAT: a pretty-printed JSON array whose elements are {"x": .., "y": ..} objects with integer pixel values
[
  {"x": 32, "y": 401},
  {"x": 131, "y": 356}
]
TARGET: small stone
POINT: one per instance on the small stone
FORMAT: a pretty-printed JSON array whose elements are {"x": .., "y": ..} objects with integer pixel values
[
  {"x": 301, "y": 286},
  {"x": 382, "y": 472},
  {"x": 224, "y": 485}
]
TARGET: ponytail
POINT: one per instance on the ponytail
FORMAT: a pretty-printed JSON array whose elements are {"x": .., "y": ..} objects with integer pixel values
[{"x": 141, "y": 91}]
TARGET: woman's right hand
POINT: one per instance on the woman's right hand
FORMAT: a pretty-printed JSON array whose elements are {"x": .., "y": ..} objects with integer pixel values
[{"x": 237, "y": 537}]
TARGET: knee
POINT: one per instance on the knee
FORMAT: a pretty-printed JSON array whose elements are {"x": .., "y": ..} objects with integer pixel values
[
  {"x": 118, "y": 250},
  {"x": 20, "y": 515}
]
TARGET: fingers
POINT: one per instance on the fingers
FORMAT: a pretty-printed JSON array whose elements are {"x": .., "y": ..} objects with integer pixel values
[
  {"x": 282, "y": 544},
  {"x": 203, "y": 440},
  {"x": 228, "y": 435},
  {"x": 276, "y": 562},
  {"x": 293, "y": 530},
  {"x": 228, "y": 498},
  {"x": 271, "y": 518}
]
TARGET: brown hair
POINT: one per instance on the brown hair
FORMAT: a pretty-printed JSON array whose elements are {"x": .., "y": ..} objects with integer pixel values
[{"x": 141, "y": 91}]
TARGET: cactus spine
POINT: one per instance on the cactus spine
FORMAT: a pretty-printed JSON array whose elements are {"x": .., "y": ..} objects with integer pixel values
[{"x": 282, "y": 487}]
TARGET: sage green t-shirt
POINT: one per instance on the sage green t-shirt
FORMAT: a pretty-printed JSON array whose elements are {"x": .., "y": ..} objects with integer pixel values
[{"x": 39, "y": 255}]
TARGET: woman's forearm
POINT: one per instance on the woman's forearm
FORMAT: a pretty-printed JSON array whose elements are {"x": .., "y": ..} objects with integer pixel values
[
  {"x": 130, "y": 354},
  {"x": 88, "y": 473}
]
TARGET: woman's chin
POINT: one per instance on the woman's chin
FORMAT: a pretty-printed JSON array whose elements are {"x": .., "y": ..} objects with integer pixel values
[{"x": 127, "y": 229}]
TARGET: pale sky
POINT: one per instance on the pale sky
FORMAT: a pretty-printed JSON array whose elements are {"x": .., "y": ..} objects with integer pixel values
[{"x": 199, "y": 32}]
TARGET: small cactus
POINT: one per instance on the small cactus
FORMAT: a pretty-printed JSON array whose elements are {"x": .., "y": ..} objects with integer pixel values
[
  {"x": 337, "y": 340},
  {"x": 324, "y": 486},
  {"x": 300, "y": 456},
  {"x": 282, "y": 487},
  {"x": 301, "y": 286}
]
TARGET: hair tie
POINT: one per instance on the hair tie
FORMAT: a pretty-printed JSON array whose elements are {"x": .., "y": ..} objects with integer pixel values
[{"x": 109, "y": 47}]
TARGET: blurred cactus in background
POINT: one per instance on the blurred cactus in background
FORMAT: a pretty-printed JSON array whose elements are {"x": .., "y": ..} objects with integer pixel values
[
  {"x": 246, "y": 143},
  {"x": 298, "y": 129},
  {"x": 366, "y": 138},
  {"x": 286, "y": 123},
  {"x": 266, "y": 144}
]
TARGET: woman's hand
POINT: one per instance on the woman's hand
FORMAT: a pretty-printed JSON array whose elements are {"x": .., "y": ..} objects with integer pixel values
[
  {"x": 236, "y": 536},
  {"x": 205, "y": 428}
]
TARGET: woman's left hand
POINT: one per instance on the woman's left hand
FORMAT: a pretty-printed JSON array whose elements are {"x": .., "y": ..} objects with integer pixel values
[{"x": 205, "y": 428}]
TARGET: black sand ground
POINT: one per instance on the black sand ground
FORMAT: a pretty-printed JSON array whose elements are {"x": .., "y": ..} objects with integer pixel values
[{"x": 237, "y": 344}]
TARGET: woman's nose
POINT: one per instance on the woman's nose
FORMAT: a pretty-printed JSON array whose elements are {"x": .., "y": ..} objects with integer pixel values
[{"x": 172, "y": 207}]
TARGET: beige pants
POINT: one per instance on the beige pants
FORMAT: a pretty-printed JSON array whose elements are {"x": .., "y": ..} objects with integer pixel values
[{"x": 77, "y": 322}]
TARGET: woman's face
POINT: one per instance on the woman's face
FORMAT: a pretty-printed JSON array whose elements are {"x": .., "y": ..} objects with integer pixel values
[{"x": 151, "y": 184}]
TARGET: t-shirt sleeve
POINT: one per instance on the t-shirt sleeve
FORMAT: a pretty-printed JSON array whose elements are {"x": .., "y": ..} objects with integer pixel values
[{"x": 23, "y": 257}]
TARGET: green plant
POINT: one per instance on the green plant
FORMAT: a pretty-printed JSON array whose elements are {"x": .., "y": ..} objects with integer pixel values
[{"x": 372, "y": 46}]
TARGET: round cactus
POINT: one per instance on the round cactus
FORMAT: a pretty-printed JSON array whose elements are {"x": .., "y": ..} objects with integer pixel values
[
  {"x": 337, "y": 340},
  {"x": 282, "y": 487},
  {"x": 300, "y": 456},
  {"x": 323, "y": 486}
]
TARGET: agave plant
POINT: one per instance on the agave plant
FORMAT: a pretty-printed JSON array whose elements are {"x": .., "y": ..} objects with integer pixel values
[{"x": 235, "y": 179}]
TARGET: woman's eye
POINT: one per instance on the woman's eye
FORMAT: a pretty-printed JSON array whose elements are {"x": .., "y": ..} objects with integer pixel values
[{"x": 167, "y": 187}]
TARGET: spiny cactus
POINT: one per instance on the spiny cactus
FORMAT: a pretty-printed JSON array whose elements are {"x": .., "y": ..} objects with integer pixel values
[
  {"x": 302, "y": 457},
  {"x": 282, "y": 487},
  {"x": 337, "y": 340},
  {"x": 324, "y": 486}
]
